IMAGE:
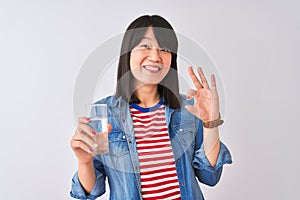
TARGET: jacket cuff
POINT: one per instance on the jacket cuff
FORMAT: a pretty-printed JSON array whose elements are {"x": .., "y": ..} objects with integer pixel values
[
  {"x": 201, "y": 162},
  {"x": 78, "y": 192}
]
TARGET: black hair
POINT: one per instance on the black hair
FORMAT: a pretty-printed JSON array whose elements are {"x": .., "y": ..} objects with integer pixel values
[{"x": 168, "y": 88}]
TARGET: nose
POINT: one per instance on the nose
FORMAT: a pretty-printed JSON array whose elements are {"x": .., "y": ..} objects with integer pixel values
[{"x": 154, "y": 55}]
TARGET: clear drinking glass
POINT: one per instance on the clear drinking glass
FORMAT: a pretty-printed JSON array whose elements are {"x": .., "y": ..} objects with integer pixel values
[{"x": 99, "y": 121}]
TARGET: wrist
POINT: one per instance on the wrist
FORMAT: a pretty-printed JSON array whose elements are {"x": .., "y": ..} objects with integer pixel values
[
  {"x": 86, "y": 164},
  {"x": 213, "y": 123}
]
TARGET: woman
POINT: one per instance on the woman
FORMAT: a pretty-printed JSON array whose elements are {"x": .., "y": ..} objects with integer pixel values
[{"x": 159, "y": 140}]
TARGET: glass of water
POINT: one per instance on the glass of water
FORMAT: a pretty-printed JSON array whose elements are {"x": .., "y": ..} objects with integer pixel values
[{"x": 99, "y": 121}]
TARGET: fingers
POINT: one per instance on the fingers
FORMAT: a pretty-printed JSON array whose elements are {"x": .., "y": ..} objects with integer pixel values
[
  {"x": 191, "y": 93},
  {"x": 87, "y": 139},
  {"x": 202, "y": 77},
  {"x": 213, "y": 82},
  {"x": 78, "y": 143},
  {"x": 81, "y": 145},
  {"x": 87, "y": 129},
  {"x": 203, "y": 83},
  {"x": 194, "y": 78},
  {"x": 84, "y": 120},
  {"x": 86, "y": 134}
]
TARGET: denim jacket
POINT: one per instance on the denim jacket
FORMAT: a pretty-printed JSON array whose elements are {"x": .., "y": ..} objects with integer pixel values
[{"x": 121, "y": 165}]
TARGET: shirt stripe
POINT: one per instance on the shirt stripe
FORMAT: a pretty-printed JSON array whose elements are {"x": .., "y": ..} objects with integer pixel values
[{"x": 157, "y": 166}]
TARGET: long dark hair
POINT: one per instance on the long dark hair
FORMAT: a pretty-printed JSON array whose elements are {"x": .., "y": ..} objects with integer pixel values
[{"x": 168, "y": 88}]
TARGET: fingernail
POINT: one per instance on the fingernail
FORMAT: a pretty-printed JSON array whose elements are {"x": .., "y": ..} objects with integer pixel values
[
  {"x": 91, "y": 150},
  {"x": 94, "y": 132},
  {"x": 188, "y": 97},
  {"x": 95, "y": 145},
  {"x": 88, "y": 119}
]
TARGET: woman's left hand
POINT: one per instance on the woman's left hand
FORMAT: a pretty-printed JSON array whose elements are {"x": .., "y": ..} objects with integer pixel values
[{"x": 206, "y": 99}]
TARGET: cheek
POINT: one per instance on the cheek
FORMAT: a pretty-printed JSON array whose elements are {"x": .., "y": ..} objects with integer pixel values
[
  {"x": 167, "y": 60},
  {"x": 131, "y": 60},
  {"x": 135, "y": 60}
]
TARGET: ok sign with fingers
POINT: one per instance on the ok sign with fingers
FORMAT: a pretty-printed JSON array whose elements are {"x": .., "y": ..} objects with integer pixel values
[{"x": 206, "y": 99}]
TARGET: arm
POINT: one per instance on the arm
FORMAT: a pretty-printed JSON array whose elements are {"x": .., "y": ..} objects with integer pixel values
[
  {"x": 206, "y": 171},
  {"x": 206, "y": 108},
  {"x": 83, "y": 152},
  {"x": 89, "y": 181},
  {"x": 211, "y": 144},
  {"x": 210, "y": 154},
  {"x": 87, "y": 176},
  {"x": 79, "y": 189}
]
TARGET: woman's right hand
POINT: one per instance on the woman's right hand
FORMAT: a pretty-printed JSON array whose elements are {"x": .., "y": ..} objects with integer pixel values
[{"x": 82, "y": 141}]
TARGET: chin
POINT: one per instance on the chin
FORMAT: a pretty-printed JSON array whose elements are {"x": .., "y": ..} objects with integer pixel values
[{"x": 142, "y": 82}]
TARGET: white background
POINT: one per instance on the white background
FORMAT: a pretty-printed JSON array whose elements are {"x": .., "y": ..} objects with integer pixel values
[{"x": 254, "y": 44}]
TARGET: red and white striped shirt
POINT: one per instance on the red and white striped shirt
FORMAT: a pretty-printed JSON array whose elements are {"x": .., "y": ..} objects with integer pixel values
[{"x": 157, "y": 166}]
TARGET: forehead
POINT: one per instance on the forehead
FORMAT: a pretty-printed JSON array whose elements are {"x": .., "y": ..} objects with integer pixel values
[
  {"x": 162, "y": 36},
  {"x": 149, "y": 34}
]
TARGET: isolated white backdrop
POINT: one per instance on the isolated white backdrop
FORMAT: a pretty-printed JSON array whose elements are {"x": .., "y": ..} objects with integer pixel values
[{"x": 254, "y": 44}]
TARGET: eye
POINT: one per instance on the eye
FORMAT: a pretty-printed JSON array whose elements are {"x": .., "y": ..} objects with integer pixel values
[
  {"x": 145, "y": 46},
  {"x": 166, "y": 50}
]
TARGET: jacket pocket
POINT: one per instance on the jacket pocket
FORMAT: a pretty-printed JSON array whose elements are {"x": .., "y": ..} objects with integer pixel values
[
  {"x": 117, "y": 144},
  {"x": 185, "y": 132}
]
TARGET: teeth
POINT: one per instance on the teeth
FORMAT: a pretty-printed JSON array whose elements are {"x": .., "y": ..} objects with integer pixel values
[{"x": 152, "y": 68}]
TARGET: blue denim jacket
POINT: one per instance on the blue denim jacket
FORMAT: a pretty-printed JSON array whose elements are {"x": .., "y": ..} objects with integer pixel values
[{"x": 121, "y": 165}]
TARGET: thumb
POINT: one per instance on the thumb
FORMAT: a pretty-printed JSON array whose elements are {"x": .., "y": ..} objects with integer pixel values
[
  {"x": 109, "y": 128},
  {"x": 191, "y": 93},
  {"x": 192, "y": 109}
]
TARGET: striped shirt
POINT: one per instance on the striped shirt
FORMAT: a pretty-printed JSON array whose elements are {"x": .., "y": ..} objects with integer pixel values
[{"x": 157, "y": 166}]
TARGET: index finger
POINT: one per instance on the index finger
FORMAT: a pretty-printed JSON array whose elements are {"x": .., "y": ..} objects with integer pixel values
[
  {"x": 194, "y": 78},
  {"x": 202, "y": 77},
  {"x": 83, "y": 120}
]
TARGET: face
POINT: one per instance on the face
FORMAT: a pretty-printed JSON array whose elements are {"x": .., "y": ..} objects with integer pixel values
[{"x": 150, "y": 63}]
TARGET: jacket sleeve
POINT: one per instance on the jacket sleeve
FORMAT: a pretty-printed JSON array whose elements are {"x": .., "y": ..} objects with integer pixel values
[
  {"x": 77, "y": 190},
  {"x": 204, "y": 172}
]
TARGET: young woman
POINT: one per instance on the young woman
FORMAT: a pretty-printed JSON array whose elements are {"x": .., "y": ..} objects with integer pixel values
[{"x": 159, "y": 140}]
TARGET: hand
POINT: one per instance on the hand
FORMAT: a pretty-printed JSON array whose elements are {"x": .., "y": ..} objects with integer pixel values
[
  {"x": 82, "y": 142},
  {"x": 206, "y": 99}
]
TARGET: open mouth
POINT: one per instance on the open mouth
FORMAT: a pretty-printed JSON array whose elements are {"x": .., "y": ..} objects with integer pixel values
[{"x": 152, "y": 68}]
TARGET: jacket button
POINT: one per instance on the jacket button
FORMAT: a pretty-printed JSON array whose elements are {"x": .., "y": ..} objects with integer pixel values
[
  {"x": 182, "y": 184},
  {"x": 123, "y": 120},
  {"x": 178, "y": 160},
  {"x": 129, "y": 141}
]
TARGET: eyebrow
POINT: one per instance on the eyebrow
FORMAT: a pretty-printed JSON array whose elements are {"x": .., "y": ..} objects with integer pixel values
[{"x": 147, "y": 38}]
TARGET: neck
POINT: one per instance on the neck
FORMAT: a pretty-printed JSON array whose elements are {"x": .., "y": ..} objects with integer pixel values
[{"x": 148, "y": 95}]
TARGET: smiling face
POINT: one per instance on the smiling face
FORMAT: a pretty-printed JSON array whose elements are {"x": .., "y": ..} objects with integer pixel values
[{"x": 150, "y": 63}]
